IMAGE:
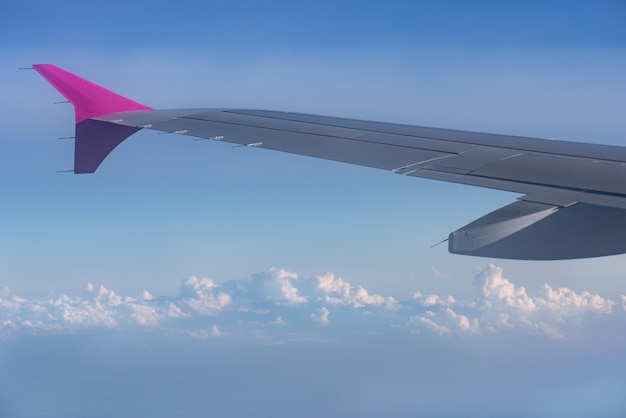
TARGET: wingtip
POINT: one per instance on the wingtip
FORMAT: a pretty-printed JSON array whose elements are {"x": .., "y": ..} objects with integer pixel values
[
  {"x": 89, "y": 99},
  {"x": 94, "y": 139}
]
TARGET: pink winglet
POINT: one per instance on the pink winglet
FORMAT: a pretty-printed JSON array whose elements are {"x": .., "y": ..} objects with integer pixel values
[
  {"x": 89, "y": 99},
  {"x": 95, "y": 139}
]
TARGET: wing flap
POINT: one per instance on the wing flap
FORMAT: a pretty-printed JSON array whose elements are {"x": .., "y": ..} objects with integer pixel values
[
  {"x": 472, "y": 160},
  {"x": 564, "y": 172}
]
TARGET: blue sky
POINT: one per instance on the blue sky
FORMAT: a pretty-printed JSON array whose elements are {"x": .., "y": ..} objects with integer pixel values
[{"x": 163, "y": 209}]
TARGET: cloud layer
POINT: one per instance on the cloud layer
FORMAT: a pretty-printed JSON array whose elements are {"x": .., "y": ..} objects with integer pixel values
[{"x": 278, "y": 304}]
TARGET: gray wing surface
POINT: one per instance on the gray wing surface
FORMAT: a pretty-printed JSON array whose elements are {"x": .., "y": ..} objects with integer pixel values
[
  {"x": 573, "y": 202},
  {"x": 573, "y": 199}
]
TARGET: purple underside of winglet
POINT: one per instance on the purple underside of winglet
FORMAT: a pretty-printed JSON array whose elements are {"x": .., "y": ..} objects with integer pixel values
[{"x": 94, "y": 139}]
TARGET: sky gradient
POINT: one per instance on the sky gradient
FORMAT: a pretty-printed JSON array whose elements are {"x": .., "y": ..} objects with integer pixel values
[{"x": 184, "y": 276}]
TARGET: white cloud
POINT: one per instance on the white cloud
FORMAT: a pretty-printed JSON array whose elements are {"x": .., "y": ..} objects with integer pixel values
[
  {"x": 209, "y": 304},
  {"x": 256, "y": 304},
  {"x": 502, "y": 305},
  {"x": 321, "y": 316},
  {"x": 199, "y": 297},
  {"x": 82, "y": 312},
  {"x": 337, "y": 291},
  {"x": 438, "y": 329},
  {"x": 175, "y": 312},
  {"x": 496, "y": 290},
  {"x": 145, "y": 295},
  {"x": 290, "y": 292},
  {"x": 567, "y": 302},
  {"x": 280, "y": 321},
  {"x": 196, "y": 287},
  {"x": 273, "y": 285},
  {"x": 103, "y": 295},
  {"x": 204, "y": 334},
  {"x": 430, "y": 300},
  {"x": 462, "y": 322},
  {"x": 9, "y": 301},
  {"x": 144, "y": 315}
]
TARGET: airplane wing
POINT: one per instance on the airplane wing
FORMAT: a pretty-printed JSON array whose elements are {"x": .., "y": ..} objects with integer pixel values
[{"x": 573, "y": 202}]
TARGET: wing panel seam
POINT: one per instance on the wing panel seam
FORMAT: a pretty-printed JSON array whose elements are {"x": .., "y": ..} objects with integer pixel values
[{"x": 430, "y": 137}]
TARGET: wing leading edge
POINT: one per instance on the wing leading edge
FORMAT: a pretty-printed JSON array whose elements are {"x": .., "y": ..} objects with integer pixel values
[{"x": 573, "y": 203}]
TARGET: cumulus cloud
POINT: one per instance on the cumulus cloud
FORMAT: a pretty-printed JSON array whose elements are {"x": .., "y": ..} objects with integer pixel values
[
  {"x": 273, "y": 286},
  {"x": 205, "y": 334},
  {"x": 430, "y": 300},
  {"x": 321, "y": 316},
  {"x": 277, "y": 303},
  {"x": 337, "y": 291},
  {"x": 424, "y": 321},
  {"x": 498, "y": 291},
  {"x": 568, "y": 303},
  {"x": 503, "y": 305},
  {"x": 144, "y": 315}
]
